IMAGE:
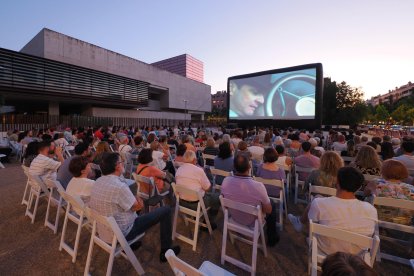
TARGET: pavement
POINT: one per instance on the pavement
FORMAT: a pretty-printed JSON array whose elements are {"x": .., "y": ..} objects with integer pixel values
[{"x": 33, "y": 249}]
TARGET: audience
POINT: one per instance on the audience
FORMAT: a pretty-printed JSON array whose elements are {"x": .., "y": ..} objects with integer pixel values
[
  {"x": 242, "y": 188},
  {"x": 345, "y": 264},
  {"x": 44, "y": 165},
  {"x": 211, "y": 150},
  {"x": 193, "y": 177},
  {"x": 387, "y": 151},
  {"x": 282, "y": 158},
  {"x": 223, "y": 161},
  {"x": 30, "y": 153},
  {"x": 64, "y": 175},
  {"x": 181, "y": 149},
  {"x": 112, "y": 197},
  {"x": 306, "y": 160},
  {"x": 326, "y": 175},
  {"x": 342, "y": 211},
  {"x": 80, "y": 185},
  {"x": 367, "y": 161},
  {"x": 269, "y": 169},
  {"x": 407, "y": 157}
]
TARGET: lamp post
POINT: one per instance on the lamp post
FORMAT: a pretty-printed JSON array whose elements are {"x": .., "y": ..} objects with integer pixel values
[{"x": 185, "y": 111}]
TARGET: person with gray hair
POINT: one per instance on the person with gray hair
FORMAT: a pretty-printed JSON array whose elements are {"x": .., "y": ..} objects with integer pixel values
[{"x": 192, "y": 177}]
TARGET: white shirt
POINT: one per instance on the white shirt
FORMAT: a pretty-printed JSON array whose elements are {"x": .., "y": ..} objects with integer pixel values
[
  {"x": 336, "y": 146},
  {"x": 44, "y": 167},
  {"x": 157, "y": 159},
  {"x": 347, "y": 214},
  {"x": 81, "y": 187},
  {"x": 257, "y": 152},
  {"x": 192, "y": 177}
]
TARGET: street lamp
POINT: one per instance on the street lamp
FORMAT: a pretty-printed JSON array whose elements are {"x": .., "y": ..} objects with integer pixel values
[{"x": 185, "y": 110}]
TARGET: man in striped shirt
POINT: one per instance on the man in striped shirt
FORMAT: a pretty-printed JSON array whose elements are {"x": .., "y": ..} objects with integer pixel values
[{"x": 43, "y": 165}]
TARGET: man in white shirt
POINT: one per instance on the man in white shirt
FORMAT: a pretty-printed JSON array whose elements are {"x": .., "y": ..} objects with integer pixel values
[
  {"x": 43, "y": 165},
  {"x": 124, "y": 147},
  {"x": 407, "y": 158},
  {"x": 342, "y": 211},
  {"x": 80, "y": 185},
  {"x": 193, "y": 177}
]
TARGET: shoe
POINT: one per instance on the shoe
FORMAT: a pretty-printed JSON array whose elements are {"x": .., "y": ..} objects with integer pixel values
[
  {"x": 213, "y": 227},
  {"x": 295, "y": 222},
  {"x": 136, "y": 245},
  {"x": 176, "y": 250}
]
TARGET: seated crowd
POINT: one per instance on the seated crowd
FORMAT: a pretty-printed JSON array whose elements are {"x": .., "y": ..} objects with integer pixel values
[{"x": 174, "y": 155}]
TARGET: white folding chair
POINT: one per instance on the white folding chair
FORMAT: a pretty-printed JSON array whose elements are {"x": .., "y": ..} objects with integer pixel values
[
  {"x": 54, "y": 199},
  {"x": 253, "y": 233},
  {"x": 320, "y": 190},
  {"x": 153, "y": 188},
  {"x": 407, "y": 206},
  {"x": 38, "y": 190},
  {"x": 288, "y": 172},
  {"x": 25, "y": 200},
  {"x": 180, "y": 268},
  {"x": 348, "y": 159},
  {"x": 75, "y": 212},
  {"x": 281, "y": 199},
  {"x": 300, "y": 182},
  {"x": 112, "y": 147},
  {"x": 1, "y": 164},
  {"x": 107, "y": 235},
  {"x": 207, "y": 157},
  {"x": 215, "y": 172},
  {"x": 190, "y": 215},
  {"x": 370, "y": 244}
]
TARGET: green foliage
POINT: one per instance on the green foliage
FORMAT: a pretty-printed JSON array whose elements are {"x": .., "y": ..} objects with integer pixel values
[
  {"x": 381, "y": 113},
  {"x": 343, "y": 104}
]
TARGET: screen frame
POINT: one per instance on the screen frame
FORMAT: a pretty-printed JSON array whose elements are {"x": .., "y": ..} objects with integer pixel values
[{"x": 283, "y": 123}]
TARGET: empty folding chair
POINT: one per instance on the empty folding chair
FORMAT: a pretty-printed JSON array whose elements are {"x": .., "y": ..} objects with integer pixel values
[
  {"x": 249, "y": 235},
  {"x": 25, "y": 200},
  {"x": 75, "y": 212},
  {"x": 300, "y": 182},
  {"x": 54, "y": 199},
  {"x": 400, "y": 223},
  {"x": 281, "y": 199},
  {"x": 107, "y": 235},
  {"x": 216, "y": 172},
  {"x": 207, "y": 268},
  {"x": 38, "y": 190},
  {"x": 190, "y": 215},
  {"x": 371, "y": 244}
]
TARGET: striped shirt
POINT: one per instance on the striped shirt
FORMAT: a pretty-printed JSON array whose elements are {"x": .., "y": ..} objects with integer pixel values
[
  {"x": 44, "y": 167},
  {"x": 111, "y": 197}
]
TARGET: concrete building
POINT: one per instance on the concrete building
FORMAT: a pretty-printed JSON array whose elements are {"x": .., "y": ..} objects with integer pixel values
[
  {"x": 184, "y": 65},
  {"x": 393, "y": 95},
  {"x": 106, "y": 84},
  {"x": 219, "y": 100}
]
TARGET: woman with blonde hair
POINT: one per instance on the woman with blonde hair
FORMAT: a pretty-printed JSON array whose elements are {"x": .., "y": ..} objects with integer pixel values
[
  {"x": 101, "y": 148},
  {"x": 367, "y": 161},
  {"x": 325, "y": 176}
]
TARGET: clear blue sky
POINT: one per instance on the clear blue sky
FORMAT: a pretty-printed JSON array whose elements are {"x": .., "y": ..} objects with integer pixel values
[{"x": 369, "y": 44}]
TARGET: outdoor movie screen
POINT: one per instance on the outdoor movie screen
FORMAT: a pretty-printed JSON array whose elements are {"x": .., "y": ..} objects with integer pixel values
[{"x": 281, "y": 94}]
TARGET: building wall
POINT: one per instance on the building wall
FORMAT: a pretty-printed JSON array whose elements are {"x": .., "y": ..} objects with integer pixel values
[
  {"x": 184, "y": 65},
  {"x": 128, "y": 113},
  {"x": 66, "y": 49},
  {"x": 393, "y": 95},
  {"x": 219, "y": 100}
]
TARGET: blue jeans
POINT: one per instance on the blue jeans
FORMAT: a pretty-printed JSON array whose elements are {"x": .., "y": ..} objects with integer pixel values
[{"x": 161, "y": 215}]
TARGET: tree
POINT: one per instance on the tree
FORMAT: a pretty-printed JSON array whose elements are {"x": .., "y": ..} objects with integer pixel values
[
  {"x": 343, "y": 104},
  {"x": 400, "y": 114},
  {"x": 382, "y": 113}
]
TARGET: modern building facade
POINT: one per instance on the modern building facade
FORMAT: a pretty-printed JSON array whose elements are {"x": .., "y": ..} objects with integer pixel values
[
  {"x": 393, "y": 95},
  {"x": 219, "y": 100},
  {"x": 61, "y": 75},
  {"x": 184, "y": 65}
]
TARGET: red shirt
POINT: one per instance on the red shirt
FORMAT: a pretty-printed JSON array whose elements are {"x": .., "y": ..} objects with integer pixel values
[{"x": 99, "y": 134}]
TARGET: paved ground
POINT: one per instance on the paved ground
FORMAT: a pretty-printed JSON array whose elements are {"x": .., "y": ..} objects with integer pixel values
[{"x": 32, "y": 249}]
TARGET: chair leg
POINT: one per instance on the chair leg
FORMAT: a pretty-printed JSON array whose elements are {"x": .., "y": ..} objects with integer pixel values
[
  {"x": 35, "y": 207},
  {"x": 90, "y": 250},
  {"x": 263, "y": 241},
  {"x": 254, "y": 253},
  {"x": 76, "y": 245},
  {"x": 174, "y": 231},
  {"x": 24, "y": 200},
  {"x": 111, "y": 261},
  {"x": 65, "y": 223},
  {"x": 2, "y": 166},
  {"x": 281, "y": 213},
  {"x": 59, "y": 207},
  {"x": 224, "y": 243},
  {"x": 196, "y": 228},
  {"x": 29, "y": 203},
  {"x": 48, "y": 207}
]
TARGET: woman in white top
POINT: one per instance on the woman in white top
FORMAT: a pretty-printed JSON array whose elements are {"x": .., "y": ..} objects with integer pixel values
[{"x": 80, "y": 185}]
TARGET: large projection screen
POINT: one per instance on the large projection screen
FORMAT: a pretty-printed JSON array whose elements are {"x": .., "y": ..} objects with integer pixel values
[{"x": 292, "y": 95}]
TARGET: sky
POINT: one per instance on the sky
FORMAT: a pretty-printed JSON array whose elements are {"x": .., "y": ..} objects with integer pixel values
[{"x": 369, "y": 44}]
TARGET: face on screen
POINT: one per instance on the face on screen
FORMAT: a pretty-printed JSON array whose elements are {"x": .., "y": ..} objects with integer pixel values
[
  {"x": 286, "y": 95},
  {"x": 245, "y": 100}
]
